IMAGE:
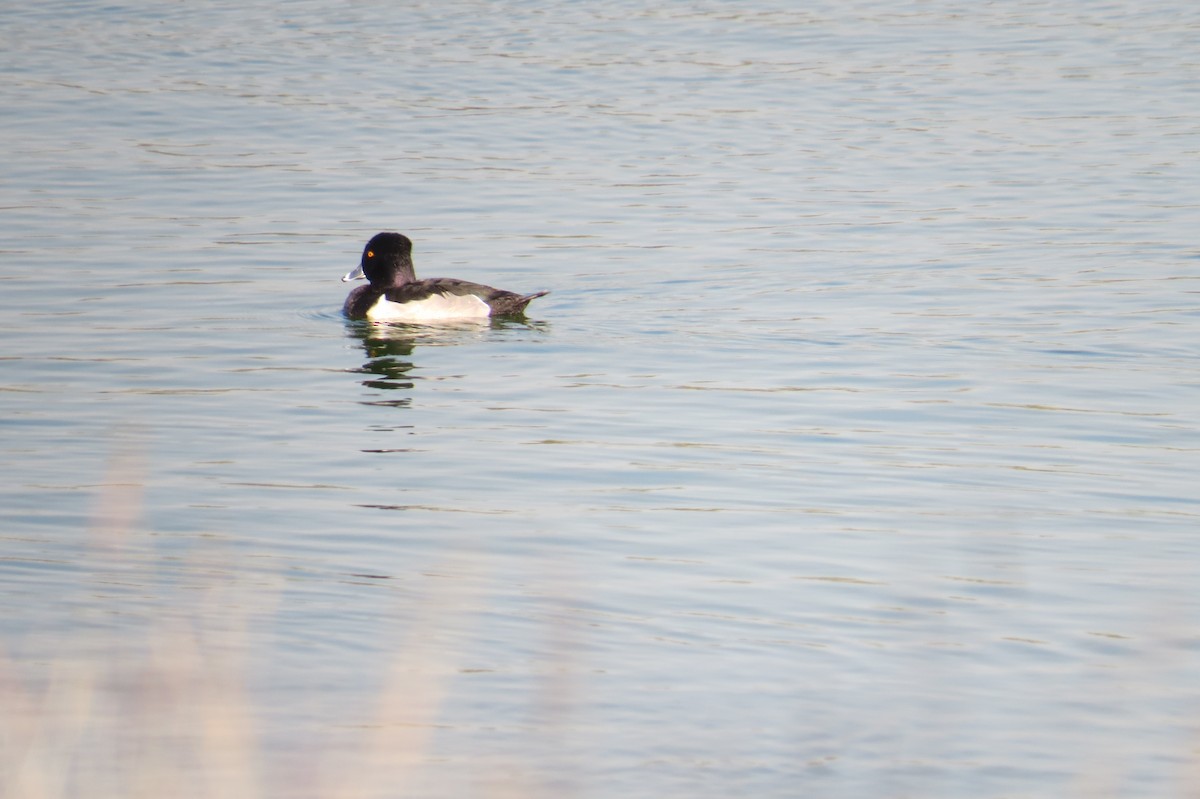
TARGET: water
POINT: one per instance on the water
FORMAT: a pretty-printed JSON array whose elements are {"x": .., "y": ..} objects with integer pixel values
[{"x": 853, "y": 453}]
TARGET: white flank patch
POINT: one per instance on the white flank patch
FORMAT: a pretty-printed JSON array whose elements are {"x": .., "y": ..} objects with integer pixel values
[{"x": 430, "y": 309}]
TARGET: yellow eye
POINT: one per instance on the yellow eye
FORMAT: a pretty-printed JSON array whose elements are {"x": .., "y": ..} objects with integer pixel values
[{"x": 370, "y": 254}]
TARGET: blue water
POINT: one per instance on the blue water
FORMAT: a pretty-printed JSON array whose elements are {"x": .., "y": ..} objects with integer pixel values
[{"x": 852, "y": 454}]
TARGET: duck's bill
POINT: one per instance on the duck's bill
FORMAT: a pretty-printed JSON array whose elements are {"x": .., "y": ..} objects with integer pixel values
[{"x": 354, "y": 274}]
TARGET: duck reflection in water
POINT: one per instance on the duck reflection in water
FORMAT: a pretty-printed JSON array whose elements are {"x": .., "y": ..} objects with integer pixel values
[
  {"x": 389, "y": 350},
  {"x": 389, "y": 347}
]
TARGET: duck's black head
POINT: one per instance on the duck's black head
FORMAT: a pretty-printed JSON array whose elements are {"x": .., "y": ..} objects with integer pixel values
[{"x": 386, "y": 261}]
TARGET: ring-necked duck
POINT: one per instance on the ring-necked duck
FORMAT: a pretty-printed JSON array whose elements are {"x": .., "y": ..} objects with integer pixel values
[{"x": 394, "y": 293}]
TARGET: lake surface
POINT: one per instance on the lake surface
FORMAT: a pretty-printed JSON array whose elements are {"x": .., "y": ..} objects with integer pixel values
[{"x": 853, "y": 454}]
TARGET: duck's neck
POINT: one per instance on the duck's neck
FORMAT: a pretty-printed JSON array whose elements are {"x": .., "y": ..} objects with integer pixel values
[{"x": 403, "y": 272}]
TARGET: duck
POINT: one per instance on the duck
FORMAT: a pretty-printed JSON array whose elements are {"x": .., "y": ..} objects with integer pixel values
[{"x": 393, "y": 292}]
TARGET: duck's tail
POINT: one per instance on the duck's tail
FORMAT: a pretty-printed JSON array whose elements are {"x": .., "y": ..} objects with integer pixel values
[
  {"x": 528, "y": 298},
  {"x": 514, "y": 304}
]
